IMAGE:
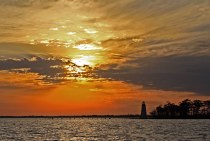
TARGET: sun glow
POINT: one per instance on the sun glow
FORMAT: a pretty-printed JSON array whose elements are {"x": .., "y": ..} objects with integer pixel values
[
  {"x": 87, "y": 47},
  {"x": 75, "y": 69},
  {"x": 90, "y": 31},
  {"x": 84, "y": 60}
]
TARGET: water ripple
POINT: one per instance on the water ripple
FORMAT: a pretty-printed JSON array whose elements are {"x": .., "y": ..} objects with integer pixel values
[{"x": 104, "y": 129}]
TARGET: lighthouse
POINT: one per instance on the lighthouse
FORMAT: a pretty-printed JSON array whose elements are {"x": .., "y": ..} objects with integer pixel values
[{"x": 143, "y": 111}]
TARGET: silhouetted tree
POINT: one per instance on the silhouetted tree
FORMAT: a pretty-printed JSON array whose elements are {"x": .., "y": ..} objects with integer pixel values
[
  {"x": 153, "y": 113},
  {"x": 197, "y": 104},
  {"x": 185, "y": 107},
  {"x": 207, "y": 107},
  {"x": 161, "y": 111},
  {"x": 170, "y": 109}
]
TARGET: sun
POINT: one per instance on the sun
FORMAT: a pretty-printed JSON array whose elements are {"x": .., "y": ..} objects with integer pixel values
[
  {"x": 83, "y": 60},
  {"x": 87, "y": 47}
]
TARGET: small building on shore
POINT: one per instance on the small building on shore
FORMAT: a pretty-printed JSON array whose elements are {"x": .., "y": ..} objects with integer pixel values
[{"x": 143, "y": 111}]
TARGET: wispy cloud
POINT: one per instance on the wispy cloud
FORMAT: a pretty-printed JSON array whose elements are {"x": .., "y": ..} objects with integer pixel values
[{"x": 149, "y": 39}]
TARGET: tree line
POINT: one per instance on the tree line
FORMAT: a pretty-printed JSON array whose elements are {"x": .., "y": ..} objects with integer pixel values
[{"x": 185, "y": 109}]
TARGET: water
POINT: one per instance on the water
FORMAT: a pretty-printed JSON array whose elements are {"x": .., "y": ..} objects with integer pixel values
[{"x": 104, "y": 129}]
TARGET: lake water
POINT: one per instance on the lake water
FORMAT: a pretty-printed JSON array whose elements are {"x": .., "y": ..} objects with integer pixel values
[{"x": 104, "y": 129}]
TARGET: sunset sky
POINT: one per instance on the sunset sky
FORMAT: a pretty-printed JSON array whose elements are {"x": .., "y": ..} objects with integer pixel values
[{"x": 82, "y": 57}]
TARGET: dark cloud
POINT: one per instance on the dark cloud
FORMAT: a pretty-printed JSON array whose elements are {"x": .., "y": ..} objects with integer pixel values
[
  {"x": 27, "y": 3},
  {"x": 201, "y": 28},
  {"x": 53, "y": 70},
  {"x": 41, "y": 66},
  {"x": 172, "y": 73}
]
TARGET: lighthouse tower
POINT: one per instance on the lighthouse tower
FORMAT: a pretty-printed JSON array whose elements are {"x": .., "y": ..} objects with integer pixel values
[{"x": 143, "y": 111}]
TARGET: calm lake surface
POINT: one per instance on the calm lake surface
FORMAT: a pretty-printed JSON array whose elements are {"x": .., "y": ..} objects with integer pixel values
[{"x": 104, "y": 129}]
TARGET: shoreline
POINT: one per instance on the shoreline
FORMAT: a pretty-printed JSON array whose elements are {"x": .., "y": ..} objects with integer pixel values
[{"x": 100, "y": 116}]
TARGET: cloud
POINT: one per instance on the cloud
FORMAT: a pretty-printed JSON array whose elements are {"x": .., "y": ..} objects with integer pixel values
[
  {"x": 50, "y": 70},
  {"x": 160, "y": 45},
  {"x": 171, "y": 73},
  {"x": 23, "y": 50},
  {"x": 27, "y": 3},
  {"x": 161, "y": 21}
]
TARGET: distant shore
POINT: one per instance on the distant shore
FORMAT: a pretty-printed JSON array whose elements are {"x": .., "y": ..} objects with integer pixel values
[
  {"x": 101, "y": 116},
  {"x": 77, "y": 116}
]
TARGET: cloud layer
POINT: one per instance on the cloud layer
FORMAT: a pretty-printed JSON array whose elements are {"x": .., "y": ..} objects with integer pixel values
[
  {"x": 159, "y": 45},
  {"x": 172, "y": 73}
]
